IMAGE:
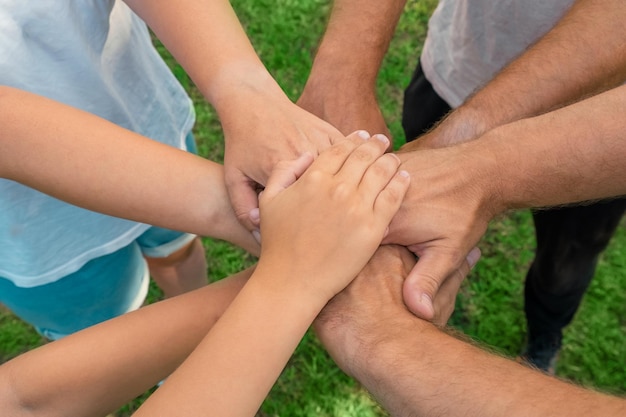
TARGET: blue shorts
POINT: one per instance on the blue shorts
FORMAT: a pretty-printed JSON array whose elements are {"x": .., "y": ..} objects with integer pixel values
[{"x": 103, "y": 288}]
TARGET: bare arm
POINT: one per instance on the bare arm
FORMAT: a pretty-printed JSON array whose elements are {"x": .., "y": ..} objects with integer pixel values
[
  {"x": 342, "y": 86},
  {"x": 261, "y": 125},
  {"x": 414, "y": 369},
  {"x": 584, "y": 54},
  {"x": 573, "y": 154},
  {"x": 87, "y": 161},
  {"x": 99, "y": 369}
]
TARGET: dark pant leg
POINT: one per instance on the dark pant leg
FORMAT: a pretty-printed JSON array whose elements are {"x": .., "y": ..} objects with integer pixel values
[
  {"x": 422, "y": 106},
  {"x": 569, "y": 241}
]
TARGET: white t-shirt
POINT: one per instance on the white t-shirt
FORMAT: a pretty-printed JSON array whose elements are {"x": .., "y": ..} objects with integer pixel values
[
  {"x": 469, "y": 41},
  {"x": 95, "y": 55}
]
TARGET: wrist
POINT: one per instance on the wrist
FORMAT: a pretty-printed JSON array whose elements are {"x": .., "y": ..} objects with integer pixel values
[
  {"x": 486, "y": 170},
  {"x": 464, "y": 124},
  {"x": 236, "y": 81},
  {"x": 335, "y": 67},
  {"x": 383, "y": 344},
  {"x": 278, "y": 277}
]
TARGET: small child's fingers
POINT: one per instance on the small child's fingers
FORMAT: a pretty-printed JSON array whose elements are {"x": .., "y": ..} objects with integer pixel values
[
  {"x": 332, "y": 159},
  {"x": 390, "y": 198},
  {"x": 362, "y": 158},
  {"x": 377, "y": 177},
  {"x": 284, "y": 174}
]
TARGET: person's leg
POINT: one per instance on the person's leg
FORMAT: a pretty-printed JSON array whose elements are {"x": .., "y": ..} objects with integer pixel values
[
  {"x": 569, "y": 242},
  {"x": 422, "y": 107},
  {"x": 181, "y": 271},
  {"x": 103, "y": 288},
  {"x": 176, "y": 260}
]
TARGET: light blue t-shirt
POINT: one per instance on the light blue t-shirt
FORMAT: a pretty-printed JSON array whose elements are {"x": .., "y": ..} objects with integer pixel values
[{"x": 95, "y": 55}]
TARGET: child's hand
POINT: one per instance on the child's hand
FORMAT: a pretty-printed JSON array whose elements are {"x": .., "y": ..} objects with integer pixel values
[{"x": 319, "y": 230}]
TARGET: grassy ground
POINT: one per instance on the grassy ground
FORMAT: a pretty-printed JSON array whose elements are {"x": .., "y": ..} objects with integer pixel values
[{"x": 490, "y": 306}]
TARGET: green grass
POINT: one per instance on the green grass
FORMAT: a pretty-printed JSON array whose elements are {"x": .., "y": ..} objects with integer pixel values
[{"x": 490, "y": 305}]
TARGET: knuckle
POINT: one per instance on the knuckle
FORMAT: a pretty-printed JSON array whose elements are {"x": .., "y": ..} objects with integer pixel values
[
  {"x": 341, "y": 191},
  {"x": 362, "y": 154}
]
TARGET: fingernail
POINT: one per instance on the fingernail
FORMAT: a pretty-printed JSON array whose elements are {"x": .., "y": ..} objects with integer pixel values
[
  {"x": 473, "y": 257},
  {"x": 363, "y": 134},
  {"x": 404, "y": 173},
  {"x": 257, "y": 236},
  {"x": 382, "y": 138},
  {"x": 255, "y": 216}
]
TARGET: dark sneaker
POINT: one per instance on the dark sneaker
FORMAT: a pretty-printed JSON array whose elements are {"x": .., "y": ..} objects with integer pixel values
[{"x": 542, "y": 353}]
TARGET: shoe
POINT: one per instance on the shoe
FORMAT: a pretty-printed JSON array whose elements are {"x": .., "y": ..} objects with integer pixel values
[{"x": 542, "y": 352}]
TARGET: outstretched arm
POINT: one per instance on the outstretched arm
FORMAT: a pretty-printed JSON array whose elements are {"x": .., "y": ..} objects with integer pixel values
[
  {"x": 584, "y": 54},
  {"x": 261, "y": 125},
  {"x": 341, "y": 88},
  {"x": 573, "y": 154},
  {"x": 414, "y": 369},
  {"x": 87, "y": 161},
  {"x": 99, "y": 369}
]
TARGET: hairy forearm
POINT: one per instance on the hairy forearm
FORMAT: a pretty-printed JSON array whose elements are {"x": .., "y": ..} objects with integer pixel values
[
  {"x": 84, "y": 160},
  {"x": 574, "y": 154},
  {"x": 97, "y": 370},
  {"x": 357, "y": 39},
  {"x": 584, "y": 54},
  {"x": 341, "y": 88},
  {"x": 570, "y": 155},
  {"x": 442, "y": 376}
]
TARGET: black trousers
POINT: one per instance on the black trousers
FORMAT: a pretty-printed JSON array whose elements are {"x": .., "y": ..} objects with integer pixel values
[{"x": 569, "y": 240}]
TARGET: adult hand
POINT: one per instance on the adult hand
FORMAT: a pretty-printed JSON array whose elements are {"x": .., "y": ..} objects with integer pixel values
[
  {"x": 263, "y": 127},
  {"x": 442, "y": 218},
  {"x": 344, "y": 203},
  {"x": 365, "y": 312}
]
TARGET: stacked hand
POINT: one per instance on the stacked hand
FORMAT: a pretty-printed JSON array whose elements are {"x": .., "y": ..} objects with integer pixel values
[{"x": 344, "y": 202}]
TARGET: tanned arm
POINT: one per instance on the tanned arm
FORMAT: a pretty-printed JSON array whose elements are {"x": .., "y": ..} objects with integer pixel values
[
  {"x": 584, "y": 54},
  {"x": 341, "y": 88},
  {"x": 415, "y": 369},
  {"x": 573, "y": 154}
]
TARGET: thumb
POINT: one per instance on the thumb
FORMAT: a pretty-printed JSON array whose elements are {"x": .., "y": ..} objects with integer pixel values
[
  {"x": 244, "y": 200},
  {"x": 423, "y": 282}
]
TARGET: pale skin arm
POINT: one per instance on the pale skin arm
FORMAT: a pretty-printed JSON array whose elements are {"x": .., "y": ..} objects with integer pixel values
[
  {"x": 570, "y": 155},
  {"x": 89, "y": 162},
  {"x": 261, "y": 125},
  {"x": 304, "y": 262},
  {"x": 341, "y": 88},
  {"x": 414, "y": 369},
  {"x": 97, "y": 370}
]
